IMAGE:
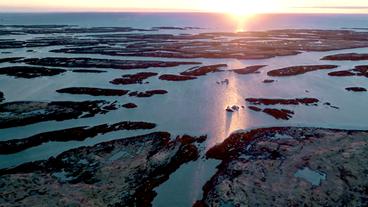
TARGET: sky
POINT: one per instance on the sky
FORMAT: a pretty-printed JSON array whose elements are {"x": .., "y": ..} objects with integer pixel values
[{"x": 226, "y": 6}]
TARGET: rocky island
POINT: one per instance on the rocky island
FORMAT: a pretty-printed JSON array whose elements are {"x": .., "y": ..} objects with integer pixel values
[{"x": 289, "y": 166}]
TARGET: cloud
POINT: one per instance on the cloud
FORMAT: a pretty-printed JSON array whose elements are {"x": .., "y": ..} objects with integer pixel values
[{"x": 333, "y": 7}]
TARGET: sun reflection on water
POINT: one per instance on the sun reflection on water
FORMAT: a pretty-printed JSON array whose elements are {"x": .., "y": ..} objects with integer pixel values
[{"x": 227, "y": 122}]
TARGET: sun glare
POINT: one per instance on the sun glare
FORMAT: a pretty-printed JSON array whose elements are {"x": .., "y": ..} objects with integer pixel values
[
  {"x": 242, "y": 11},
  {"x": 243, "y": 8}
]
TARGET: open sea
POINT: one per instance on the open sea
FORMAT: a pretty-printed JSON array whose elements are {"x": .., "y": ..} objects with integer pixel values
[{"x": 204, "y": 20}]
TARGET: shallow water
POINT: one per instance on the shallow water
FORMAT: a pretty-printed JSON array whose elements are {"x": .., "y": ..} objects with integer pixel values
[
  {"x": 314, "y": 177},
  {"x": 194, "y": 107}
]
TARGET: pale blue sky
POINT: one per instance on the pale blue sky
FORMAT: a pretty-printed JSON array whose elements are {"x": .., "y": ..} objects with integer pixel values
[{"x": 320, "y": 6}]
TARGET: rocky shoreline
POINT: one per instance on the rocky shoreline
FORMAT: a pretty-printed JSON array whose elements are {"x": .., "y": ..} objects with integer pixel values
[
  {"x": 298, "y": 70},
  {"x": 360, "y": 70},
  {"x": 149, "y": 93},
  {"x": 137, "y": 78},
  {"x": 356, "y": 89},
  {"x": 346, "y": 57},
  {"x": 65, "y": 135},
  {"x": 240, "y": 45},
  {"x": 248, "y": 70},
  {"x": 289, "y": 166},
  {"x": 93, "y": 91},
  {"x": 172, "y": 77},
  {"x": 284, "y": 114},
  {"x": 122, "y": 172},
  {"x": 101, "y": 63},
  {"x": 203, "y": 70},
  {"x": 269, "y": 101},
  {"x": 29, "y": 71},
  {"x": 13, "y": 114}
]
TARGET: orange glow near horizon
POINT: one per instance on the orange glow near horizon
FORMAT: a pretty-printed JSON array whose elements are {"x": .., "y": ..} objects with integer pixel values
[
  {"x": 234, "y": 7},
  {"x": 241, "y": 8}
]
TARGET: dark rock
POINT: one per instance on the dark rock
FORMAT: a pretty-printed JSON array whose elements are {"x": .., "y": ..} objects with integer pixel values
[
  {"x": 137, "y": 78},
  {"x": 1, "y": 96},
  {"x": 130, "y": 106},
  {"x": 13, "y": 114},
  {"x": 228, "y": 109},
  {"x": 168, "y": 28},
  {"x": 203, "y": 70},
  {"x": 360, "y": 70},
  {"x": 268, "y": 81},
  {"x": 11, "y": 59},
  {"x": 65, "y": 135},
  {"x": 171, "y": 77},
  {"x": 147, "y": 93},
  {"x": 122, "y": 172},
  {"x": 110, "y": 107},
  {"x": 93, "y": 91},
  {"x": 260, "y": 168},
  {"x": 297, "y": 101},
  {"x": 330, "y": 105},
  {"x": 298, "y": 70},
  {"x": 347, "y": 56},
  {"x": 175, "y": 28},
  {"x": 232, "y": 108},
  {"x": 342, "y": 73},
  {"x": 102, "y": 63},
  {"x": 356, "y": 89},
  {"x": 249, "y": 69},
  {"x": 279, "y": 113},
  {"x": 244, "y": 45},
  {"x": 254, "y": 108},
  {"x": 29, "y": 72},
  {"x": 88, "y": 71}
]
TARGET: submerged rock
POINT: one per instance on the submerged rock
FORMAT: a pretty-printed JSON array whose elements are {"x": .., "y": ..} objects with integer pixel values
[
  {"x": 290, "y": 166},
  {"x": 122, "y": 172}
]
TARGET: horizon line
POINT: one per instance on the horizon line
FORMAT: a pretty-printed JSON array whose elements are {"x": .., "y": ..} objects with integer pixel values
[{"x": 169, "y": 11}]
